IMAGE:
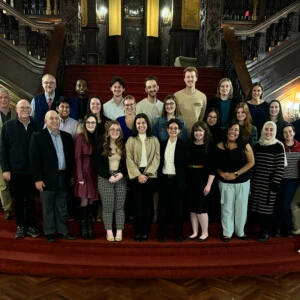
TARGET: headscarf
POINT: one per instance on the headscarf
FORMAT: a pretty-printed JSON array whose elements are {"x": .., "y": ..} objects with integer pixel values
[{"x": 264, "y": 142}]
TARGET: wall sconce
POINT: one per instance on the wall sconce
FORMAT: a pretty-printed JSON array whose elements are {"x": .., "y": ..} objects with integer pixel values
[
  {"x": 166, "y": 16},
  {"x": 101, "y": 14}
]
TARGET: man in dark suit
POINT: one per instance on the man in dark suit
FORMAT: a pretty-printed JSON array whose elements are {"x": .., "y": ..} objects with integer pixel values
[
  {"x": 51, "y": 155},
  {"x": 172, "y": 182}
]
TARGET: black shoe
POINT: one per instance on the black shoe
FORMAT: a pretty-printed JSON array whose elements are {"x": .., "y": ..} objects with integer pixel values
[
  {"x": 178, "y": 239},
  {"x": 50, "y": 238},
  {"x": 226, "y": 239},
  {"x": 137, "y": 238},
  {"x": 144, "y": 238},
  {"x": 20, "y": 233},
  {"x": 244, "y": 238},
  {"x": 67, "y": 236},
  {"x": 202, "y": 240},
  {"x": 32, "y": 231},
  {"x": 189, "y": 238},
  {"x": 162, "y": 239},
  {"x": 263, "y": 237}
]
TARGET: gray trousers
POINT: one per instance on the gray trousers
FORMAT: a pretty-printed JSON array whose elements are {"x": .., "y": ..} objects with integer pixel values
[
  {"x": 113, "y": 197},
  {"x": 54, "y": 205}
]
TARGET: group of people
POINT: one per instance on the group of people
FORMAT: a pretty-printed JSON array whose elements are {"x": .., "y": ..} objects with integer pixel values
[{"x": 175, "y": 157}]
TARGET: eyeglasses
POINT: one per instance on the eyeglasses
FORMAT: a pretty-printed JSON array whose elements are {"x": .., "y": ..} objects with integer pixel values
[
  {"x": 173, "y": 128},
  {"x": 90, "y": 123},
  {"x": 210, "y": 117},
  {"x": 129, "y": 105},
  {"x": 24, "y": 107},
  {"x": 114, "y": 130},
  {"x": 49, "y": 82},
  {"x": 170, "y": 104}
]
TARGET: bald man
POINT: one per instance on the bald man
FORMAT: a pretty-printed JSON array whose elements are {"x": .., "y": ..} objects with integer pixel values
[
  {"x": 14, "y": 158},
  {"x": 6, "y": 113},
  {"x": 51, "y": 156}
]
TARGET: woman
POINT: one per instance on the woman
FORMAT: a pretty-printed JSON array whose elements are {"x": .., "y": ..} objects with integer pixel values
[
  {"x": 224, "y": 102},
  {"x": 289, "y": 183},
  {"x": 243, "y": 117},
  {"x": 169, "y": 112},
  {"x": 257, "y": 106},
  {"x": 275, "y": 114},
  {"x": 142, "y": 160},
  {"x": 109, "y": 163},
  {"x": 85, "y": 176},
  {"x": 201, "y": 173},
  {"x": 172, "y": 182},
  {"x": 95, "y": 106},
  {"x": 212, "y": 117},
  {"x": 126, "y": 122},
  {"x": 234, "y": 160},
  {"x": 267, "y": 174}
]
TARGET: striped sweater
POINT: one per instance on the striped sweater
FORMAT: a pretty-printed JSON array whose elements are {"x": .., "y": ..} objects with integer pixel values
[{"x": 291, "y": 171}]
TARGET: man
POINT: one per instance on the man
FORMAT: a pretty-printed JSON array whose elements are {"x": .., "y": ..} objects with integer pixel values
[
  {"x": 41, "y": 103},
  {"x": 6, "y": 114},
  {"x": 15, "y": 138},
  {"x": 114, "y": 108},
  {"x": 191, "y": 102},
  {"x": 67, "y": 123},
  {"x": 51, "y": 154},
  {"x": 79, "y": 102},
  {"x": 150, "y": 106}
]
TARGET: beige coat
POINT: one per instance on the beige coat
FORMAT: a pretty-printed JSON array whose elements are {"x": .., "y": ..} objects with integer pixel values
[{"x": 134, "y": 154}]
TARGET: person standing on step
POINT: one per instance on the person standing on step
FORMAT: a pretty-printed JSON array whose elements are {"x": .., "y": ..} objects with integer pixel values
[
  {"x": 172, "y": 181},
  {"x": 114, "y": 108},
  {"x": 150, "y": 106},
  {"x": 191, "y": 102},
  {"x": 202, "y": 169},
  {"x": 79, "y": 102},
  {"x": 234, "y": 161},
  {"x": 85, "y": 175},
  {"x": 45, "y": 101},
  {"x": 142, "y": 160},
  {"x": 109, "y": 163},
  {"x": 6, "y": 113},
  {"x": 270, "y": 161},
  {"x": 14, "y": 157},
  {"x": 51, "y": 155}
]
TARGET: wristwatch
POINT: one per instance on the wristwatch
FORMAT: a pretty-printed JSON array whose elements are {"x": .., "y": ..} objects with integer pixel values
[{"x": 236, "y": 174}]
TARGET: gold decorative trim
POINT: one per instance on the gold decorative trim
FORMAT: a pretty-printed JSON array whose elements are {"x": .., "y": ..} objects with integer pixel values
[{"x": 190, "y": 18}]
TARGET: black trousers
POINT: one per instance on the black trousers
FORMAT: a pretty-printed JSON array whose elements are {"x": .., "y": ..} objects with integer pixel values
[
  {"x": 142, "y": 195},
  {"x": 170, "y": 206},
  {"x": 23, "y": 189}
]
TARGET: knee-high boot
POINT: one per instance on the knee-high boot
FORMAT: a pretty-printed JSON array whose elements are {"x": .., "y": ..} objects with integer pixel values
[
  {"x": 91, "y": 234},
  {"x": 84, "y": 222}
]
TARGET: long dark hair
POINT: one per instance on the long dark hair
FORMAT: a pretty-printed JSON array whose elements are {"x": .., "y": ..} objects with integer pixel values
[
  {"x": 280, "y": 118},
  {"x": 207, "y": 134},
  {"x": 134, "y": 129},
  {"x": 249, "y": 95},
  {"x": 91, "y": 138},
  {"x": 207, "y": 112},
  {"x": 241, "y": 143},
  {"x": 88, "y": 109}
]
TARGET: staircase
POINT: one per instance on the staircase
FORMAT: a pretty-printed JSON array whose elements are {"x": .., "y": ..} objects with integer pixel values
[{"x": 170, "y": 79}]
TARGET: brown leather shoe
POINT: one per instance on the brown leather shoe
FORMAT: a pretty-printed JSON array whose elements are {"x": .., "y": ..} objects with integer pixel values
[{"x": 7, "y": 215}]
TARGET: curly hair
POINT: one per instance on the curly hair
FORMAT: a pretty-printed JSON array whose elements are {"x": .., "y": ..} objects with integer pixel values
[{"x": 107, "y": 150}]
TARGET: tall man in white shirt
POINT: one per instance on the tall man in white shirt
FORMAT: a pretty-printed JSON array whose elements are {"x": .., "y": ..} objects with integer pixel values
[
  {"x": 150, "y": 106},
  {"x": 114, "y": 108}
]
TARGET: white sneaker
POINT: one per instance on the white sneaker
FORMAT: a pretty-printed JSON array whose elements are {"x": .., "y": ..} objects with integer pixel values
[{"x": 297, "y": 232}]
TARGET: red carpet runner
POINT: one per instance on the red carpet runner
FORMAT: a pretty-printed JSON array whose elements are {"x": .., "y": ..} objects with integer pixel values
[{"x": 79, "y": 258}]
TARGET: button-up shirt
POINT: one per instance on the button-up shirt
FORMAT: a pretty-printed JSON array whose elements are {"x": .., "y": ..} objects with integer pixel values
[{"x": 59, "y": 148}]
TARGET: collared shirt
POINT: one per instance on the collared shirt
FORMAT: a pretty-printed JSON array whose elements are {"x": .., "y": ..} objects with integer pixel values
[
  {"x": 25, "y": 125},
  {"x": 59, "y": 148},
  {"x": 5, "y": 117},
  {"x": 112, "y": 110},
  {"x": 69, "y": 125},
  {"x": 169, "y": 167},
  {"x": 32, "y": 104}
]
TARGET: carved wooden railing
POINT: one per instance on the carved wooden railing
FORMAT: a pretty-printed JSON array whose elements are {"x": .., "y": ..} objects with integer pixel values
[{"x": 249, "y": 46}]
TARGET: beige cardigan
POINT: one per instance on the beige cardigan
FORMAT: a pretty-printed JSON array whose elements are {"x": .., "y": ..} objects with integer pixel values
[{"x": 134, "y": 154}]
